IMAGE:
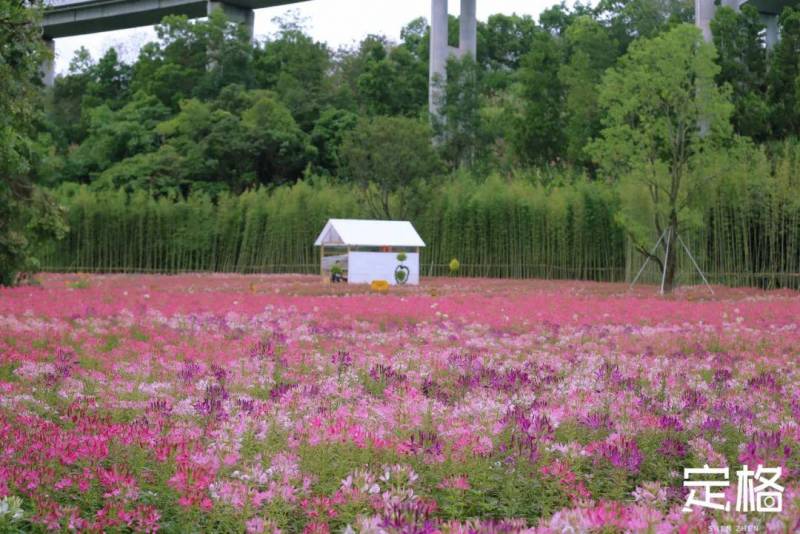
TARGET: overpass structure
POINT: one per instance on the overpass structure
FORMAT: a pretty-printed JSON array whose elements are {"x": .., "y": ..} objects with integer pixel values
[
  {"x": 768, "y": 9},
  {"x": 66, "y": 18}
]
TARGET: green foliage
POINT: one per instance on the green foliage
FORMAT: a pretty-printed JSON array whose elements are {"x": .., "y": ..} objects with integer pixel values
[
  {"x": 746, "y": 227},
  {"x": 502, "y": 43},
  {"x": 193, "y": 58},
  {"x": 11, "y": 513},
  {"x": 393, "y": 81},
  {"x": 7, "y": 372},
  {"x": 458, "y": 125},
  {"x": 497, "y": 490},
  {"x": 631, "y": 19},
  {"x": 664, "y": 116},
  {"x": 520, "y": 228},
  {"x": 743, "y": 65},
  {"x": 114, "y": 136},
  {"x": 27, "y": 213},
  {"x": 387, "y": 155},
  {"x": 295, "y": 67},
  {"x": 538, "y": 134},
  {"x": 248, "y": 232},
  {"x": 328, "y": 135},
  {"x": 783, "y": 76},
  {"x": 591, "y": 51},
  {"x": 204, "y": 146},
  {"x": 282, "y": 149}
]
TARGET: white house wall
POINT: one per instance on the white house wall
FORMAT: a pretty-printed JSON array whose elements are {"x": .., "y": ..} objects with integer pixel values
[{"x": 366, "y": 267}]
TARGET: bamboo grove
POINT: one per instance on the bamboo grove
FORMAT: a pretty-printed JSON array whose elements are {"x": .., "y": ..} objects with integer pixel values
[{"x": 749, "y": 235}]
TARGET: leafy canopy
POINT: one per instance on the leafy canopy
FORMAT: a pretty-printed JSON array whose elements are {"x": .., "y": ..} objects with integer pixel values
[{"x": 664, "y": 116}]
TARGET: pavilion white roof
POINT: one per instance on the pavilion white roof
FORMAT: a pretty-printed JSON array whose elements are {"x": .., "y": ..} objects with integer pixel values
[{"x": 363, "y": 233}]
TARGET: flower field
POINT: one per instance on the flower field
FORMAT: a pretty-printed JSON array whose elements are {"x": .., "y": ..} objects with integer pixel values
[{"x": 224, "y": 403}]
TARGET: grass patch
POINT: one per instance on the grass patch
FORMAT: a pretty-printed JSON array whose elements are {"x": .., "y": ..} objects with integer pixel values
[{"x": 7, "y": 372}]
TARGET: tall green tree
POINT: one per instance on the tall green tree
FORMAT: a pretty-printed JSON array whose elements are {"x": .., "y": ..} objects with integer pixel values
[
  {"x": 116, "y": 135},
  {"x": 742, "y": 57},
  {"x": 783, "y": 77},
  {"x": 394, "y": 81},
  {"x": 27, "y": 213},
  {"x": 591, "y": 51},
  {"x": 206, "y": 147},
  {"x": 328, "y": 135},
  {"x": 387, "y": 156},
  {"x": 664, "y": 115},
  {"x": 537, "y": 131},
  {"x": 503, "y": 40},
  {"x": 295, "y": 67},
  {"x": 458, "y": 124},
  {"x": 193, "y": 59},
  {"x": 628, "y": 20}
]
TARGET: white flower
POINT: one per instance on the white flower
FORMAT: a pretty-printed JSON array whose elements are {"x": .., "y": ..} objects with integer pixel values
[{"x": 11, "y": 506}]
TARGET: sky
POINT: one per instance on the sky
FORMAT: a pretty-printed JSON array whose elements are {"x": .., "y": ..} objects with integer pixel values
[{"x": 336, "y": 22}]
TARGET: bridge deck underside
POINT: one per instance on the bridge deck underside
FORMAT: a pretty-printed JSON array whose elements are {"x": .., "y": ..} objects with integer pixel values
[
  {"x": 67, "y": 18},
  {"x": 770, "y": 7}
]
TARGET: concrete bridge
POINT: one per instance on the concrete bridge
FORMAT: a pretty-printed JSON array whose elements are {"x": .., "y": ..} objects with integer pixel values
[{"x": 65, "y": 18}]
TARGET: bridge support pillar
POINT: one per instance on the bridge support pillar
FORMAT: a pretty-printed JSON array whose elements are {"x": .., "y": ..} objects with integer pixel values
[
  {"x": 440, "y": 51},
  {"x": 48, "y": 67},
  {"x": 703, "y": 13},
  {"x": 240, "y": 15},
  {"x": 770, "y": 22},
  {"x": 468, "y": 34}
]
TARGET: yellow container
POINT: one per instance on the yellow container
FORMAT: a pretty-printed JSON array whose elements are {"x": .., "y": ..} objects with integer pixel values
[{"x": 379, "y": 286}]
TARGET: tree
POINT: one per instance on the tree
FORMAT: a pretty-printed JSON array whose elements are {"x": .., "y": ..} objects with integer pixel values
[
  {"x": 556, "y": 19},
  {"x": 628, "y": 20},
  {"x": 295, "y": 67},
  {"x": 206, "y": 146},
  {"x": 328, "y": 135},
  {"x": 387, "y": 155},
  {"x": 27, "y": 213},
  {"x": 416, "y": 38},
  {"x": 738, "y": 37},
  {"x": 664, "y": 115},
  {"x": 458, "y": 125},
  {"x": 282, "y": 149},
  {"x": 502, "y": 43},
  {"x": 193, "y": 59},
  {"x": 393, "y": 80},
  {"x": 116, "y": 135},
  {"x": 590, "y": 52},
  {"x": 68, "y": 93},
  {"x": 109, "y": 80},
  {"x": 537, "y": 132},
  {"x": 784, "y": 75}
]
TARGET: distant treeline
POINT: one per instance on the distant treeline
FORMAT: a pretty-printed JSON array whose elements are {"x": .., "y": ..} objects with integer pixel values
[
  {"x": 501, "y": 227},
  {"x": 177, "y": 163}
]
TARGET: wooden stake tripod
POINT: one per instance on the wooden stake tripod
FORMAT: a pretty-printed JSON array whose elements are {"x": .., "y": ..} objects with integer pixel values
[{"x": 668, "y": 234}]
